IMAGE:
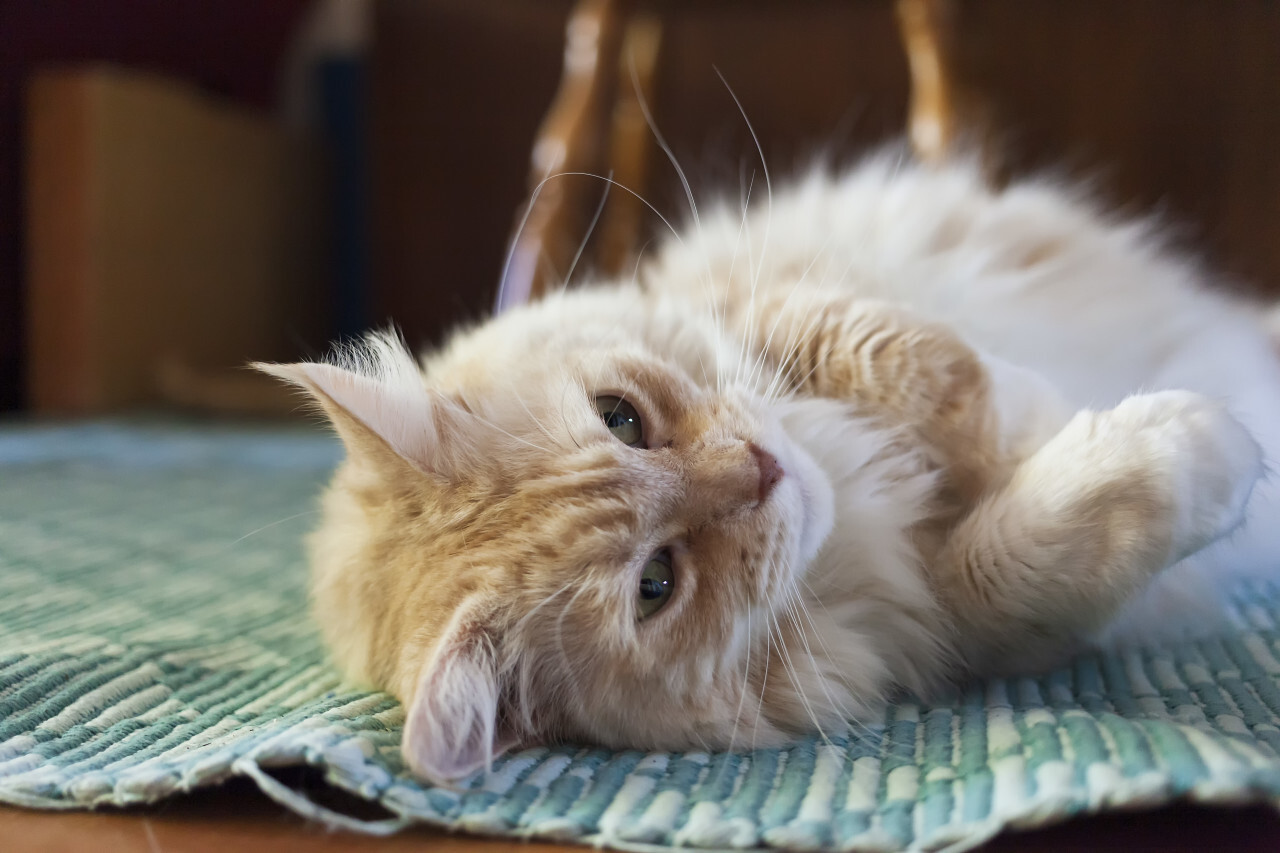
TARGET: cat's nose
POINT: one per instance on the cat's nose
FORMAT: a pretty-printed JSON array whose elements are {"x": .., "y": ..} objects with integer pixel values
[{"x": 770, "y": 471}]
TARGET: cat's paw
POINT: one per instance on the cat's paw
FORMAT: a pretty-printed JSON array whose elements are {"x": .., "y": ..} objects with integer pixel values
[{"x": 1212, "y": 461}]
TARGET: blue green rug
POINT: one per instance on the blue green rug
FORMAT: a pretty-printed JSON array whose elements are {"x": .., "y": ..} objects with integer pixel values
[{"x": 154, "y": 639}]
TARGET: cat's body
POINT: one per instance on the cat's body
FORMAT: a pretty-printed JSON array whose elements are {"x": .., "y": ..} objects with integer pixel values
[{"x": 854, "y": 458}]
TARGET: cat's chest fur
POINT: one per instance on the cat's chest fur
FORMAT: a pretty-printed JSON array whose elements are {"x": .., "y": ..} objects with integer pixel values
[{"x": 888, "y": 515}]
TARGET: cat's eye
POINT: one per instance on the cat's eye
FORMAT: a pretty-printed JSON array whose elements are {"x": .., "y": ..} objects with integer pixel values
[
  {"x": 621, "y": 418},
  {"x": 657, "y": 583}
]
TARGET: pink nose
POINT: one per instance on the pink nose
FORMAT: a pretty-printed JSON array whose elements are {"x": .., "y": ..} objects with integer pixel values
[{"x": 770, "y": 471}]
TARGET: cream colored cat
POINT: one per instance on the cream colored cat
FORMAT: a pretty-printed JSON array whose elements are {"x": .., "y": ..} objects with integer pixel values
[{"x": 888, "y": 431}]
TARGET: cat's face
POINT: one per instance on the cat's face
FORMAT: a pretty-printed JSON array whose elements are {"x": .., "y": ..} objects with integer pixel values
[{"x": 567, "y": 532}]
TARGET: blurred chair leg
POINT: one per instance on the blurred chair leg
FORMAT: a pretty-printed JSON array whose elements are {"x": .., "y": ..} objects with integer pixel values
[
  {"x": 631, "y": 144},
  {"x": 927, "y": 28},
  {"x": 571, "y": 139}
]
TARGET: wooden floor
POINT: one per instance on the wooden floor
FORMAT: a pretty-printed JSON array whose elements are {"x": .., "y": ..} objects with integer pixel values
[{"x": 238, "y": 819}]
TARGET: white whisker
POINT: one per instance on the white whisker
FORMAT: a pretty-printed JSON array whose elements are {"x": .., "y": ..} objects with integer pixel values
[
  {"x": 795, "y": 607},
  {"x": 591, "y": 227},
  {"x": 662, "y": 143},
  {"x": 764, "y": 679},
  {"x": 758, "y": 265},
  {"x": 746, "y": 676},
  {"x": 509, "y": 435},
  {"x": 273, "y": 524},
  {"x": 789, "y": 668}
]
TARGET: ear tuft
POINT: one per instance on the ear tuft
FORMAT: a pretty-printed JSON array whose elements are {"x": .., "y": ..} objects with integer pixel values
[
  {"x": 452, "y": 727},
  {"x": 376, "y": 398}
]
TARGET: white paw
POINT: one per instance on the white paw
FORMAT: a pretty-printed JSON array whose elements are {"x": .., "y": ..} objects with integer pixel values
[{"x": 1212, "y": 460}]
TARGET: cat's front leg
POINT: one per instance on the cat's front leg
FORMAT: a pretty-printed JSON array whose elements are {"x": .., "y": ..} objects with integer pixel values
[
  {"x": 975, "y": 415},
  {"x": 1086, "y": 521}
]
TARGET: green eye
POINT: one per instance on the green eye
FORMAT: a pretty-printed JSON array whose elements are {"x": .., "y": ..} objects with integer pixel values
[
  {"x": 657, "y": 583},
  {"x": 621, "y": 419}
]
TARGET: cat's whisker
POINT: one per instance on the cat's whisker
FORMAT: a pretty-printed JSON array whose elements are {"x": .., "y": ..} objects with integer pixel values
[
  {"x": 787, "y": 366},
  {"x": 795, "y": 338},
  {"x": 789, "y": 374},
  {"x": 780, "y": 313},
  {"x": 844, "y": 273},
  {"x": 795, "y": 288},
  {"x": 804, "y": 641},
  {"x": 505, "y": 278},
  {"x": 569, "y": 671},
  {"x": 643, "y": 103},
  {"x": 635, "y": 270},
  {"x": 733, "y": 263},
  {"x": 899, "y": 161},
  {"x": 620, "y": 186},
  {"x": 273, "y": 524},
  {"x": 768, "y": 182},
  {"x": 563, "y": 410},
  {"x": 746, "y": 677},
  {"x": 491, "y": 425},
  {"x": 515, "y": 393},
  {"x": 817, "y": 363},
  {"x": 788, "y": 666},
  {"x": 801, "y": 607},
  {"x": 819, "y": 356},
  {"x": 802, "y": 600},
  {"x": 706, "y": 747},
  {"x": 748, "y": 332},
  {"x": 720, "y": 338},
  {"x": 591, "y": 227},
  {"x": 764, "y": 680},
  {"x": 709, "y": 280},
  {"x": 537, "y": 422},
  {"x": 523, "y": 621},
  {"x": 525, "y": 679}
]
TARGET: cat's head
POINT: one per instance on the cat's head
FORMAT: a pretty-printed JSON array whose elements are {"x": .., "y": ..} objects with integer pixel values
[{"x": 577, "y": 524}]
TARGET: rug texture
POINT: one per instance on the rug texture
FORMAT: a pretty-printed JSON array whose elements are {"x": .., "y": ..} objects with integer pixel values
[{"x": 154, "y": 638}]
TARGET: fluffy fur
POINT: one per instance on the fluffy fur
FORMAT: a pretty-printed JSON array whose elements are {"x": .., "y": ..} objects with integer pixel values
[{"x": 1005, "y": 427}]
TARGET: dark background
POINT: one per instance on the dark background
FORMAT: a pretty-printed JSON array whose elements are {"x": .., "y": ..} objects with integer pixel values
[{"x": 1171, "y": 106}]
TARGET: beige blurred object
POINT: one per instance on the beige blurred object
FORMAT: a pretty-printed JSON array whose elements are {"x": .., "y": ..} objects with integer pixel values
[{"x": 171, "y": 238}]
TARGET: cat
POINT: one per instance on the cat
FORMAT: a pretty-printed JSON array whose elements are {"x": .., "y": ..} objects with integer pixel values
[{"x": 889, "y": 430}]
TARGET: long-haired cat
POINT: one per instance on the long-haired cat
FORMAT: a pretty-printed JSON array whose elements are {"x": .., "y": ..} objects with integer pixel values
[{"x": 890, "y": 430}]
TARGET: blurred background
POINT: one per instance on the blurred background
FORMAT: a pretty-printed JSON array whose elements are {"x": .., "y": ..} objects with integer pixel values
[{"x": 185, "y": 187}]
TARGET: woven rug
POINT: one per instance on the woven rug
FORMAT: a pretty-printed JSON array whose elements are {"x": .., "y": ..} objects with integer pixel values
[{"x": 153, "y": 639}]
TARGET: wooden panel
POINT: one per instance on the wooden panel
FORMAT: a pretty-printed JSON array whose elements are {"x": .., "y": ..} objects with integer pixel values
[
  {"x": 457, "y": 91},
  {"x": 1169, "y": 105}
]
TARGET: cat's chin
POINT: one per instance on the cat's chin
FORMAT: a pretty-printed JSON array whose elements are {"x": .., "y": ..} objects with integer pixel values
[{"x": 812, "y": 499}]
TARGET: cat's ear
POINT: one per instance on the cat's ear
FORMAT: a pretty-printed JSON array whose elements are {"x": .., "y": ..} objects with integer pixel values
[
  {"x": 453, "y": 726},
  {"x": 380, "y": 406}
]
